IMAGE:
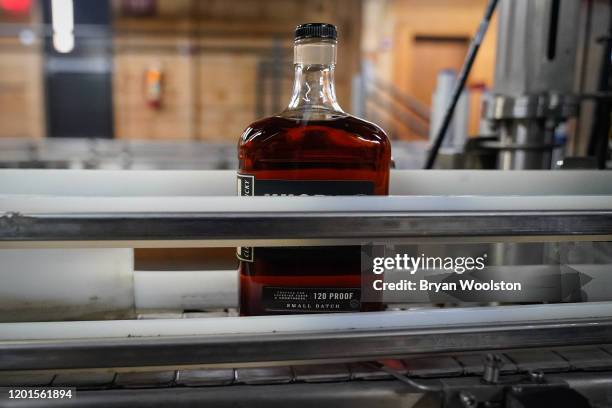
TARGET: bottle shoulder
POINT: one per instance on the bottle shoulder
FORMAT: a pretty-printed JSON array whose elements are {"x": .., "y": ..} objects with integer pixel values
[{"x": 340, "y": 128}]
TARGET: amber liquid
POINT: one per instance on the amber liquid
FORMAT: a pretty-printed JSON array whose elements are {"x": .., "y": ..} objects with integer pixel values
[{"x": 341, "y": 148}]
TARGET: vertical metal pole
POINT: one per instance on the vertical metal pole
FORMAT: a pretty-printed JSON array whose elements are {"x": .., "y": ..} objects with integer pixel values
[{"x": 465, "y": 71}]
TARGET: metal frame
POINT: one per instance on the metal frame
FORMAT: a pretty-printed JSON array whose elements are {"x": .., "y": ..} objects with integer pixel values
[
  {"x": 302, "y": 228},
  {"x": 139, "y": 209},
  {"x": 282, "y": 348},
  {"x": 149, "y": 219}
]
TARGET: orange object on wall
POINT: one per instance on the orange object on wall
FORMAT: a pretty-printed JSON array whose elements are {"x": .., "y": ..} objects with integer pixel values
[{"x": 153, "y": 87}]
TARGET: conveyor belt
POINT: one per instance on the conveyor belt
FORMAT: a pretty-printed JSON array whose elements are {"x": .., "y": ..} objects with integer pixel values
[
  {"x": 453, "y": 373},
  {"x": 560, "y": 359}
]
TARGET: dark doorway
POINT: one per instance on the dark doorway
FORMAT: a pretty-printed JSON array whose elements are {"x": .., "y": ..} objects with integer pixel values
[{"x": 78, "y": 87}]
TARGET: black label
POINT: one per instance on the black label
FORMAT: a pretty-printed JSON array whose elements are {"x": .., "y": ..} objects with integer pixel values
[
  {"x": 249, "y": 186},
  {"x": 313, "y": 187},
  {"x": 305, "y": 300}
]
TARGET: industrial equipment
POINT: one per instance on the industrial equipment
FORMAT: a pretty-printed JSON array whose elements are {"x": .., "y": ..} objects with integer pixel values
[
  {"x": 67, "y": 240},
  {"x": 77, "y": 311}
]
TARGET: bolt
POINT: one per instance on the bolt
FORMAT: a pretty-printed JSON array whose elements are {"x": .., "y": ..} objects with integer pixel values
[
  {"x": 467, "y": 399},
  {"x": 536, "y": 376},
  {"x": 492, "y": 366}
]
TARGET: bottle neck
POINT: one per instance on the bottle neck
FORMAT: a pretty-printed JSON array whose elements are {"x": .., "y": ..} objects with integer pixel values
[
  {"x": 314, "y": 92},
  {"x": 313, "y": 88}
]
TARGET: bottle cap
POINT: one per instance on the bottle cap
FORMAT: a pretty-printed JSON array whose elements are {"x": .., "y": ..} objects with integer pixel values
[
  {"x": 316, "y": 30},
  {"x": 315, "y": 52}
]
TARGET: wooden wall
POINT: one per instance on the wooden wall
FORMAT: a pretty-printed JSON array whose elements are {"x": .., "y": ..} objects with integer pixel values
[
  {"x": 134, "y": 118},
  {"x": 209, "y": 52},
  {"x": 21, "y": 96},
  {"x": 21, "y": 83}
]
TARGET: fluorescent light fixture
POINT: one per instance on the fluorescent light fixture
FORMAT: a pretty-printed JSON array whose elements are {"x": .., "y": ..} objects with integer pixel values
[
  {"x": 63, "y": 42},
  {"x": 62, "y": 20}
]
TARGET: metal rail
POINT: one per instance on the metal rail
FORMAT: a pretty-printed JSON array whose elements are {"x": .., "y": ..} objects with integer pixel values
[
  {"x": 277, "y": 348},
  {"x": 300, "y": 228},
  {"x": 355, "y": 394}
]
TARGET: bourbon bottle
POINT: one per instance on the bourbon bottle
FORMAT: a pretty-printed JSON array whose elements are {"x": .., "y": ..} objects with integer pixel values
[{"x": 311, "y": 148}]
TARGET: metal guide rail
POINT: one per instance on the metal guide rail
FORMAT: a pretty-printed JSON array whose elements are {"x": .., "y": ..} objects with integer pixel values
[
  {"x": 137, "y": 209},
  {"x": 278, "y": 340},
  {"x": 214, "y": 221},
  {"x": 301, "y": 228}
]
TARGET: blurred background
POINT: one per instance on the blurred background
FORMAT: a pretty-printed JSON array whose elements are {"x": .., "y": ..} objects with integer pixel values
[
  {"x": 172, "y": 83},
  {"x": 178, "y": 80}
]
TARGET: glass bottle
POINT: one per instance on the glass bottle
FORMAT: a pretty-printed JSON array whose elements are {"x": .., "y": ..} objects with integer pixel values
[{"x": 311, "y": 148}]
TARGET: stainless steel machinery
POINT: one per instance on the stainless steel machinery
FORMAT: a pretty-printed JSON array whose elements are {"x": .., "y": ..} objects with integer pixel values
[{"x": 550, "y": 57}]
